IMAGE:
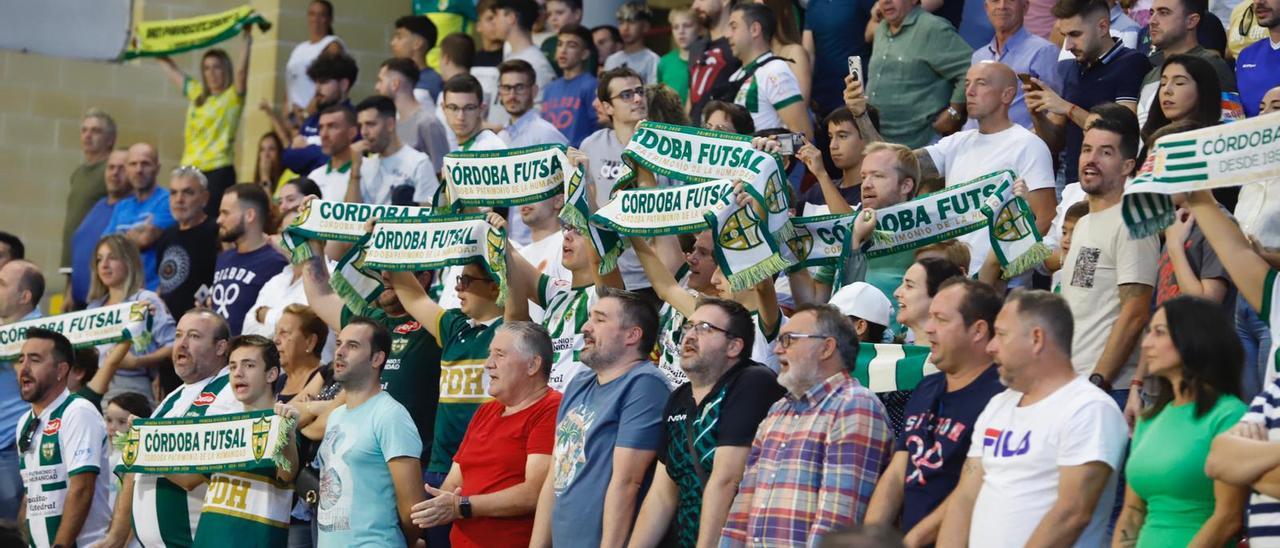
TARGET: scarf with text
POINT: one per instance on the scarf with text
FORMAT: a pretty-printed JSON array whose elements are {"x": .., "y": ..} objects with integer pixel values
[
  {"x": 338, "y": 221},
  {"x": 174, "y": 36},
  {"x": 933, "y": 218},
  {"x": 129, "y": 321},
  {"x": 1013, "y": 234},
  {"x": 254, "y": 440},
  {"x": 502, "y": 178},
  {"x": 744, "y": 249}
]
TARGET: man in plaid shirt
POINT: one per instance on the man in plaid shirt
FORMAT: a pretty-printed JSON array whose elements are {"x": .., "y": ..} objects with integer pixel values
[{"x": 817, "y": 455}]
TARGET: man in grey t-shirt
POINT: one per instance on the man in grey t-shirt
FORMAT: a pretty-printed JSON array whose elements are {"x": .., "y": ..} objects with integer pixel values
[{"x": 417, "y": 124}]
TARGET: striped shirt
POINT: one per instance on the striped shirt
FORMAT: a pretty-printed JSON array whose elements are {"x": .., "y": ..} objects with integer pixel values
[
  {"x": 813, "y": 466},
  {"x": 1264, "y": 511},
  {"x": 567, "y": 309}
]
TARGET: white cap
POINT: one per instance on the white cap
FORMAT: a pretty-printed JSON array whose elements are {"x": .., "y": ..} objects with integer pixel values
[{"x": 862, "y": 300}]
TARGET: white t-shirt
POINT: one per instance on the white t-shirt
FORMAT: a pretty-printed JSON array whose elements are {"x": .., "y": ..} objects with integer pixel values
[
  {"x": 566, "y": 312},
  {"x": 546, "y": 257},
  {"x": 644, "y": 62},
  {"x": 299, "y": 86},
  {"x": 542, "y": 68},
  {"x": 77, "y": 440},
  {"x": 967, "y": 155},
  {"x": 529, "y": 130},
  {"x": 332, "y": 182},
  {"x": 772, "y": 87},
  {"x": 386, "y": 180},
  {"x": 1021, "y": 450},
  {"x": 1102, "y": 258},
  {"x": 279, "y": 292}
]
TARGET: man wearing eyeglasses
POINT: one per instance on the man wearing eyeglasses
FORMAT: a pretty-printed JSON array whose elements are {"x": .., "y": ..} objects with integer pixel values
[
  {"x": 819, "y": 452},
  {"x": 465, "y": 111},
  {"x": 517, "y": 88},
  {"x": 708, "y": 427},
  {"x": 62, "y": 446}
]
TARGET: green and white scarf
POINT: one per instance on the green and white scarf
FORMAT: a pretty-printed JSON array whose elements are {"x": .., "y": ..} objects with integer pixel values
[
  {"x": 695, "y": 155},
  {"x": 129, "y": 321},
  {"x": 892, "y": 367},
  {"x": 203, "y": 445},
  {"x": 608, "y": 245},
  {"x": 744, "y": 249},
  {"x": 339, "y": 221},
  {"x": 1221, "y": 156},
  {"x": 943, "y": 215},
  {"x": 441, "y": 241},
  {"x": 820, "y": 240},
  {"x": 664, "y": 211},
  {"x": 174, "y": 36},
  {"x": 501, "y": 178},
  {"x": 1013, "y": 234}
]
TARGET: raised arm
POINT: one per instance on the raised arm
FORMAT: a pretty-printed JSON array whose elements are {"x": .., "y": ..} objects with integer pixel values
[
  {"x": 1079, "y": 488},
  {"x": 315, "y": 284},
  {"x": 856, "y": 99},
  {"x": 1247, "y": 269},
  {"x": 242, "y": 70},
  {"x": 416, "y": 302},
  {"x": 664, "y": 284},
  {"x": 172, "y": 71},
  {"x": 812, "y": 158},
  {"x": 118, "y": 354}
]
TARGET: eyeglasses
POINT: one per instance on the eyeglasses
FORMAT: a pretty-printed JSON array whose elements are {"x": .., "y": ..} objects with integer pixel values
[
  {"x": 513, "y": 88},
  {"x": 464, "y": 281},
  {"x": 787, "y": 338},
  {"x": 28, "y": 433},
  {"x": 454, "y": 109},
  {"x": 629, "y": 94},
  {"x": 702, "y": 329}
]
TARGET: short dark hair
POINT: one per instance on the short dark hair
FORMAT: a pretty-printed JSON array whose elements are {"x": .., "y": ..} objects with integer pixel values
[
  {"x": 338, "y": 66},
  {"x": 17, "y": 250},
  {"x": 1197, "y": 7},
  {"x": 980, "y": 302},
  {"x": 738, "y": 116},
  {"x": 86, "y": 362},
  {"x": 1076, "y": 211},
  {"x": 526, "y": 11},
  {"x": 602, "y": 88},
  {"x": 534, "y": 341},
  {"x": 843, "y": 115},
  {"x": 252, "y": 195},
  {"x": 1087, "y": 9},
  {"x": 459, "y": 48},
  {"x": 613, "y": 31},
  {"x": 62, "y": 349},
  {"x": 380, "y": 341},
  {"x": 1050, "y": 310},
  {"x": 740, "y": 323},
  {"x": 582, "y": 33},
  {"x": 518, "y": 66},
  {"x": 753, "y": 13},
  {"x": 306, "y": 186},
  {"x": 936, "y": 271},
  {"x": 404, "y": 67},
  {"x": 637, "y": 311},
  {"x": 347, "y": 113},
  {"x": 463, "y": 83},
  {"x": 384, "y": 105},
  {"x": 1122, "y": 122},
  {"x": 574, "y": 5},
  {"x": 420, "y": 25},
  {"x": 1210, "y": 352},
  {"x": 270, "y": 354},
  {"x": 136, "y": 404},
  {"x": 831, "y": 322}
]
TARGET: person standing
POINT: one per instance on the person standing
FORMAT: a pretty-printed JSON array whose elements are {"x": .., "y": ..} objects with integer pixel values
[
  {"x": 673, "y": 68},
  {"x": 1258, "y": 65},
  {"x": 567, "y": 101},
  {"x": 299, "y": 88},
  {"x": 633, "y": 24},
  {"x": 711, "y": 61},
  {"x": 187, "y": 249},
  {"x": 766, "y": 87},
  {"x": 416, "y": 122},
  {"x": 1173, "y": 25},
  {"x": 242, "y": 270},
  {"x": 1025, "y": 53},
  {"x": 145, "y": 215},
  {"x": 90, "y": 230},
  {"x": 393, "y": 173},
  {"x": 414, "y": 36},
  {"x": 517, "y": 89},
  {"x": 370, "y": 448},
  {"x": 213, "y": 117},
  {"x": 514, "y": 25},
  {"x": 62, "y": 448},
  {"x": 337, "y": 130},
  {"x": 97, "y": 138}
]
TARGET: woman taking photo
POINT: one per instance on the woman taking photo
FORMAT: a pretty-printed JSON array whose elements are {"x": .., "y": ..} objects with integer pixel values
[
  {"x": 1192, "y": 352},
  {"x": 117, "y": 278},
  {"x": 213, "y": 116}
]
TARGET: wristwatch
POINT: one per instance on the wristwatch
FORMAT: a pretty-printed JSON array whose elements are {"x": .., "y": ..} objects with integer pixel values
[
  {"x": 955, "y": 114},
  {"x": 464, "y": 507},
  {"x": 1100, "y": 381}
]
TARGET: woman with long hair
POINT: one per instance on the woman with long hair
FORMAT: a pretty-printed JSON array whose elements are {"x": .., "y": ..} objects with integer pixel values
[
  {"x": 213, "y": 115},
  {"x": 919, "y": 285},
  {"x": 786, "y": 44},
  {"x": 118, "y": 278},
  {"x": 1194, "y": 357},
  {"x": 269, "y": 172},
  {"x": 1189, "y": 90}
]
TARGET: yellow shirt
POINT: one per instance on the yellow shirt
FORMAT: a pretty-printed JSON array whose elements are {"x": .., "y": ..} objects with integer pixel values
[{"x": 211, "y": 127}]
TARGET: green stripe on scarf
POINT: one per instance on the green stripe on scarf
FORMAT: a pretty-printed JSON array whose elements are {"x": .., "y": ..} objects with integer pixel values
[
  {"x": 608, "y": 245},
  {"x": 819, "y": 240},
  {"x": 648, "y": 212},
  {"x": 340, "y": 222},
  {"x": 445, "y": 240},
  {"x": 1012, "y": 232},
  {"x": 203, "y": 445},
  {"x": 504, "y": 178},
  {"x": 174, "y": 36},
  {"x": 932, "y": 218},
  {"x": 129, "y": 321},
  {"x": 892, "y": 367},
  {"x": 746, "y": 252}
]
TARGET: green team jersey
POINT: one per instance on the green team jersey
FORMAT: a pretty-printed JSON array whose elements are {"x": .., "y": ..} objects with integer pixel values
[
  {"x": 67, "y": 438},
  {"x": 412, "y": 372},
  {"x": 92, "y": 397},
  {"x": 245, "y": 510},
  {"x": 567, "y": 309},
  {"x": 463, "y": 384}
]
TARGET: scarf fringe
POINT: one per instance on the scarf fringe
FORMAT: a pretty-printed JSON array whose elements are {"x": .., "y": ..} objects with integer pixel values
[
  {"x": 747, "y": 278},
  {"x": 1026, "y": 261},
  {"x": 1142, "y": 225},
  {"x": 287, "y": 425}
]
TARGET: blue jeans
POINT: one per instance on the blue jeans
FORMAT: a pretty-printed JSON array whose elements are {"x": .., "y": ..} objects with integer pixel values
[
  {"x": 1256, "y": 339},
  {"x": 10, "y": 483},
  {"x": 438, "y": 536}
]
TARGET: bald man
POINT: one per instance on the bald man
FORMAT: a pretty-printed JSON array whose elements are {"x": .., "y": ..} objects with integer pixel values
[
  {"x": 21, "y": 287},
  {"x": 997, "y": 144},
  {"x": 143, "y": 216}
]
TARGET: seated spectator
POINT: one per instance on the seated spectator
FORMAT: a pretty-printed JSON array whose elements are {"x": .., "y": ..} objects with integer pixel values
[
  {"x": 393, "y": 173},
  {"x": 517, "y": 89},
  {"x": 321, "y": 40},
  {"x": 567, "y": 101},
  {"x": 1020, "y": 50},
  {"x": 334, "y": 75},
  {"x": 673, "y": 68},
  {"x": 1188, "y": 91},
  {"x": 728, "y": 117},
  {"x": 867, "y": 308},
  {"x": 213, "y": 117},
  {"x": 1174, "y": 24},
  {"x": 846, "y": 143},
  {"x": 117, "y": 279},
  {"x": 144, "y": 216},
  {"x": 786, "y": 43},
  {"x": 338, "y": 129},
  {"x": 765, "y": 84},
  {"x": 1194, "y": 360},
  {"x": 634, "y": 19},
  {"x": 269, "y": 171},
  {"x": 493, "y": 485},
  {"x": 414, "y": 36},
  {"x": 249, "y": 261},
  {"x": 920, "y": 284},
  {"x": 1045, "y": 454},
  {"x": 416, "y": 124},
  {"x": 90, "y": 230},
  {"x": 819, "y": 452},
  {"x": 97, "y": 138},
  {"x": 1258, "y": 65}
]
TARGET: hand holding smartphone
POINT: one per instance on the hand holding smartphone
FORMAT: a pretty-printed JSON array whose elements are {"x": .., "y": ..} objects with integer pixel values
[{"x": 855, "y": 68}]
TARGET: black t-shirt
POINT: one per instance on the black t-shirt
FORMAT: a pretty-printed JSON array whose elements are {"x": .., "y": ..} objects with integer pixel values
[
  {"x": 710, "y": 65},
  {"x": 936, "y": 437},
  {"x": 185, "y": 262},
  {"x": 814, "y": 196},
  {"x": 237, "y": 279},
  {"x": 727, "y": 416}
]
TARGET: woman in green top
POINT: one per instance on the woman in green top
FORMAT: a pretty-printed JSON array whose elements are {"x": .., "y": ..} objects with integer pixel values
[
  {"x": 1194, "y": 356},
  {"x": 213, "y": 116}
]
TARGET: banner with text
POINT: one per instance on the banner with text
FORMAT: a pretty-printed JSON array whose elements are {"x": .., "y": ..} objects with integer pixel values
[
  {"x": 502, "y": 178},
  {"x": 943, "y": 215},
  {"x": 203, "y": 445},
  {"x": 339, "y": 221},
  {"x": 647, "y": 212},
  {"x": 129, "y": 321},
  {"x": 174, "y": 36},
  {"x": 444, "y": 240}
]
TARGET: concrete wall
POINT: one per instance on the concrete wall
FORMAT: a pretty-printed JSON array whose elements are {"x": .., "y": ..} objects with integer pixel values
[{"x": 42, "y": 99}]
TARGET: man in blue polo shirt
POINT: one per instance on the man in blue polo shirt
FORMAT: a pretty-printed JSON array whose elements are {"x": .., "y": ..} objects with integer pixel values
[
  {"x": 1258, "y": 66},
  {"x": 145, "y": 215},
  {"x": 1021, "y": 51},
  {"x": 1103, "y": 71}
]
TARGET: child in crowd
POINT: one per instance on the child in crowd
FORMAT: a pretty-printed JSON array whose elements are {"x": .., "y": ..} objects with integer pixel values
[{"x": 673, "y": 68}]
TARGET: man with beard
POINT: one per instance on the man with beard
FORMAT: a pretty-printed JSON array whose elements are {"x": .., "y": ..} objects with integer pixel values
[
  {"x": 709, "y": 424},
  {"x": 369, "y": 448},
  {"x": 608, "y": 430},
  {"x": 1258, "y": 66},
  {"x": 337, "y": 130},
  {"x": 710, "y": 61},
  {"x": 241, "y": 271},
  {"x": 62, "y": 449},
  {"x": 188, "y": 248},
  {"x": 394, "y": 173},
  {"x": 334, "y": 76},
  {"x": 517, "y": 89},
  {"x": 817, "y": 455},
  {"x": 164, "y": 510}
]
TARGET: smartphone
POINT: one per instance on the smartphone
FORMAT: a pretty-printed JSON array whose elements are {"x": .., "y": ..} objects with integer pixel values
[
  {"x": 1026, "y": 79},
  {"x": 201, "y": 294},
  {"x": 789, "y": 143},
  {"x": 855, "y": 67}
]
